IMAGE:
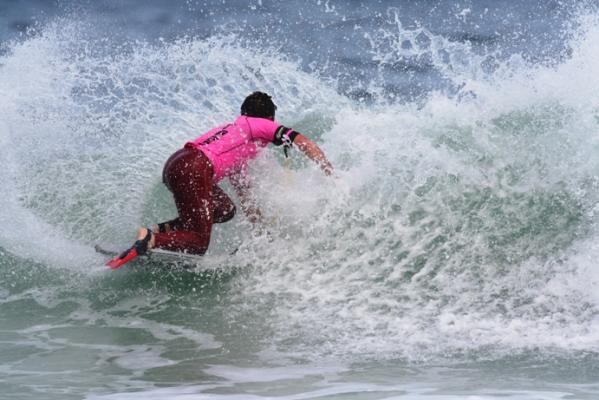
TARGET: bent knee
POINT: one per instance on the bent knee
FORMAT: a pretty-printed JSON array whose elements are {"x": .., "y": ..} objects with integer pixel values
[{"x": 225, "y": 215}]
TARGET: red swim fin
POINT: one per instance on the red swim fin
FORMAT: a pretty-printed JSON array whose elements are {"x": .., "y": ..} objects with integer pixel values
[
  {"x": 140, "y": 247},
  {"x": 123, "y": 259}
]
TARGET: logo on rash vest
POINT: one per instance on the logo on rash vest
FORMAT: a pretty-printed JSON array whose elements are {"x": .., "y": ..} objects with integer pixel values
[{"x": 216, "y": 136}]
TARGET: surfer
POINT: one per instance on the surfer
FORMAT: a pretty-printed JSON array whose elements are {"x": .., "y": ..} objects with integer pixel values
[{"x": 192, "y": 174}]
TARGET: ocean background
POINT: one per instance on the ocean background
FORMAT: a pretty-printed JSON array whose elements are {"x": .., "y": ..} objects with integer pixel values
[{"x": 454, "y": 257}]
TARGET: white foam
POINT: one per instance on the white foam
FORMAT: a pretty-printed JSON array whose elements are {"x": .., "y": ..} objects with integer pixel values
[{"x": 445, "y": 233}]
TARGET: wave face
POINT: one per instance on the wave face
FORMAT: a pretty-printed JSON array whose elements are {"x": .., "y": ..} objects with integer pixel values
[{"x": 462, "y": 224}]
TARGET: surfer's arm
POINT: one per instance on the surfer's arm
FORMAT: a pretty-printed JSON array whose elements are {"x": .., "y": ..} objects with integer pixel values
[{"x": 313, "y": 152}]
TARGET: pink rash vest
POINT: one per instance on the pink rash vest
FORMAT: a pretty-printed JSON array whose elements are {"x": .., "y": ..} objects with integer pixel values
[{"x": 230, "y": 146}]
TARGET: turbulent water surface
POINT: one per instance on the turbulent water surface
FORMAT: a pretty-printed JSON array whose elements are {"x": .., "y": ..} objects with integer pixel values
[{"x": 454, "y": 256}]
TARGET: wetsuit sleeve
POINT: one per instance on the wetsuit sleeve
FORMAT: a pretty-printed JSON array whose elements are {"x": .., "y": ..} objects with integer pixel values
[
  {"x": 270, "y": 131},
  {"x": 284, "y": 135}
]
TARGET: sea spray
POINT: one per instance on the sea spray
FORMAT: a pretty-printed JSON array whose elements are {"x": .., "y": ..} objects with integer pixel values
[
  {"x": 461, "y": 233},
  {"x": 89, "y": 131},
  {"x": 456, "y": 225}
]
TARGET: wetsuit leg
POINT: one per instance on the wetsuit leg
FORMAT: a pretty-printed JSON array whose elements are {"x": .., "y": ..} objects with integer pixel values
[
  {"x": 188, "y": 175},
  {"x": 224, "y": 209}
]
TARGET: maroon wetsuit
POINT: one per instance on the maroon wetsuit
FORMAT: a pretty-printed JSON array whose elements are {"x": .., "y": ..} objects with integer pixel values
[
  {"x": 191, "y": 175},
  {"x": 188, "y": 174}
]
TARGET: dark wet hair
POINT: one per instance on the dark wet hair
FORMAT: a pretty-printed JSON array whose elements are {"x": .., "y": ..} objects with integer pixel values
[{"x": 258, "y": 104}]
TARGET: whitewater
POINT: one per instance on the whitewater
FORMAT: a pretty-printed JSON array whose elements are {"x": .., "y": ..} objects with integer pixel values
[{"x": 453, "y": 256}]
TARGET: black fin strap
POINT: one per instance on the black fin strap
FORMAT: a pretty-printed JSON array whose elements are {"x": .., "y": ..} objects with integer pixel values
[{"x": 142, "y": 245}]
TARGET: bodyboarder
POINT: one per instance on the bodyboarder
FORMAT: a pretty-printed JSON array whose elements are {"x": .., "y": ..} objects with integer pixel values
[{"x": 192, "y": 174}]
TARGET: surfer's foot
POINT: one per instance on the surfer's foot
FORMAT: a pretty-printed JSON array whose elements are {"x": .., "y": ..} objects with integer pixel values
[{"x": 145, "y": 240}]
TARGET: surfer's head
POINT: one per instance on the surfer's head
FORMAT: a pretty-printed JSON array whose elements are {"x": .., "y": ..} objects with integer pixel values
[{"x": 260, "y": 105}]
